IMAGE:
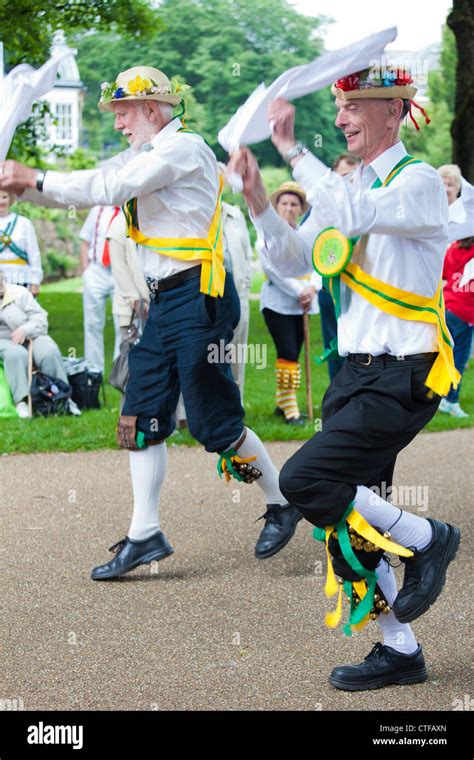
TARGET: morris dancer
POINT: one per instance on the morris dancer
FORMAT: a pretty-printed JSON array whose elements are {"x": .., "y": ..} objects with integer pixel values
[
  {"x": 399, "y": 363},
  {"x": 169, "y": 178}
]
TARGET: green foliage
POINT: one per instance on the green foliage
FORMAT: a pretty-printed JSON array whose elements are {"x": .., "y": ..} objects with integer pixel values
[
  {"x": 433, "y": 143},
  {"x": 81, "y": 158},
  {"x": 58, "y": 265},
  {"x": 27, "y": 26},
  {"x": 95, "y": 429},
  {"x": 223, "y": 49}
]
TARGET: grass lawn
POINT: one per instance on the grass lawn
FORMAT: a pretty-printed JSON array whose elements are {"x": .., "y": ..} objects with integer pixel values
[{"x": 95, "y": 428}]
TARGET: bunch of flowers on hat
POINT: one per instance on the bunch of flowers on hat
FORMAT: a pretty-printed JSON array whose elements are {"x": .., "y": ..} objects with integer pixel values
[
  {"x": 140, "y": 87},
  {"x": 377, "y": 82},
  {"x": 388, "y": 77}
]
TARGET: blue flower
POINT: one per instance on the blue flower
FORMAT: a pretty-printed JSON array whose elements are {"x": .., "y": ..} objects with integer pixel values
[{"x": 119, "y": 93}]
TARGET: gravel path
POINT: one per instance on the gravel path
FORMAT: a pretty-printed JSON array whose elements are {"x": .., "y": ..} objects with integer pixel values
[{"x": 210, "y": 627}]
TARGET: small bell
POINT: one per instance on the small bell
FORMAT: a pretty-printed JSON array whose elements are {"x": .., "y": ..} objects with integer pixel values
[{"x": 386, "y": 610}]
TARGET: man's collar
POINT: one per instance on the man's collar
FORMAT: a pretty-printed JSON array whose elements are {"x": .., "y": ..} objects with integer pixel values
[
  {"x": 167, "y": 130},
  {"x": 383, "y": 164}
]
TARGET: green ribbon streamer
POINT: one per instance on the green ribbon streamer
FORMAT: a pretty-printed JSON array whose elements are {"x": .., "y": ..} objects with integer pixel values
[
  {"x": 357, "y": 614},
  {"x": 227, "y": 456},
  {"x": 11, "y": 245}
]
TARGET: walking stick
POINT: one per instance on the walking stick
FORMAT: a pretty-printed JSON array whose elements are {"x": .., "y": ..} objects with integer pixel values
[
  {"x": 307, "y": 363},
  {"x": 30, "y": 376}
]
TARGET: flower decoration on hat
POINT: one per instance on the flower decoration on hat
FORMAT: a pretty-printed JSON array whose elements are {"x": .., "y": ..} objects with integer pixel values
[{"x": 390, "y": 82}]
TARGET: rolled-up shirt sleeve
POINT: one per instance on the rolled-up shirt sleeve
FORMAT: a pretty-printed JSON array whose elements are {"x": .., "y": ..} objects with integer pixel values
[
  {"x": 113, "y": 186},
  {"x": 288, "y": 250}
]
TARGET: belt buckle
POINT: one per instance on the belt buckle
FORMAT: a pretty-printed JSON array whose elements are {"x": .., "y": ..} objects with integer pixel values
[{"x": 366, "y": 364}]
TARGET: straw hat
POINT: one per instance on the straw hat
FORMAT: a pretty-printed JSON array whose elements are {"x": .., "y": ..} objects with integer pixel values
[
  {"x": 290, "y": 187},
  {"x": 140, "y": 83},
  {"x": 390, "y": 82}
]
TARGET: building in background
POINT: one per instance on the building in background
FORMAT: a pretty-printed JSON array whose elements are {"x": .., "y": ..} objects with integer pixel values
[{"x": 65, "y": 99}]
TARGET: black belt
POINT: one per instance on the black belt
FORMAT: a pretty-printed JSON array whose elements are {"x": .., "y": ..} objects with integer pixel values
[
  {"x": 367, "y": 359},
  {"x": 157, "y": 286}
]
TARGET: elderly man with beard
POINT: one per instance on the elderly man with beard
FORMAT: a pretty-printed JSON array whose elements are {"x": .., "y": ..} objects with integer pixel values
[{"x": 168, "y": 180}]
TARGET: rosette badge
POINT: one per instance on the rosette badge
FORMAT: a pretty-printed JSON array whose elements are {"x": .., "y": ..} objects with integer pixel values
[{"x": 141, "y": 83}]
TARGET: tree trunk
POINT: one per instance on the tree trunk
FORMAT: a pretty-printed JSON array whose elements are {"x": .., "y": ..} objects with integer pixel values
[{"x": 461, "y": 22}]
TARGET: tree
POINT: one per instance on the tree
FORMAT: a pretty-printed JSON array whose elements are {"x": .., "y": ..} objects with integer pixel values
[
  {"x": 223, "y": 49},
  {"x": 461, "y": 21},
  {"x": 27, "y": 26},
  {"x": 433, "y": 142}
]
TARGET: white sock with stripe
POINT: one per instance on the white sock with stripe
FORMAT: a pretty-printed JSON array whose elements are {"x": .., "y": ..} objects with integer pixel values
[{"x": 406, "y": 529}]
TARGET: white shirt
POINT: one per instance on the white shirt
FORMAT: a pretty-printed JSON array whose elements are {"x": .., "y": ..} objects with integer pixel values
[
  {"x": 94, "y": 230},
  {"x": 176, "y": 183},
  {"x": 24, "y": 236},
  {"x": 279, "y": 293},
  {"x": 408, "y": 226}
]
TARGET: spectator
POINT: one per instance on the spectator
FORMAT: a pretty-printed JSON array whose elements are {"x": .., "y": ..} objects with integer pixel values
[
  {"x": 130, "y": 284},
  {"x": 283, "y": 302},
  {"x": 238, "y": 256},
  {"x": 20, "y": 257},
  {"x": 23, "y": 319},
  {"x": 98, "y": 282},
  {"x": 345, "y": 163}
]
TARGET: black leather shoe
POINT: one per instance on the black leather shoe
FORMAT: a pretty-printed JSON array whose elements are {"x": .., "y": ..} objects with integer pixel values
[
  {"x": 425, "y": 573},
  {"x": 130, "y": 554},
  {"x": 280, "y": 525},
  {"x": 278, "y": 412},
  {"x": 298, "y": 421},
  {"x": 382, "y": 666}
]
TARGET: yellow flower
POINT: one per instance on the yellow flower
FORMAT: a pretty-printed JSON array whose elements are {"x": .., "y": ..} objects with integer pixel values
[{"x": 139, "y": 86}]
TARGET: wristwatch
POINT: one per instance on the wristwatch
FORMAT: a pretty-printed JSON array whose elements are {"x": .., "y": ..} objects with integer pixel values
[
  {"x": 299, "y": 149},
  {"x": 40, "y": 175}
]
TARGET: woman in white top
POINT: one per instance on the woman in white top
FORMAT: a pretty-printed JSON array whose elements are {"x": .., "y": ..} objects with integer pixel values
[
  {"x": 20, "y": 257},
  {"x": 283, "y": 302}
]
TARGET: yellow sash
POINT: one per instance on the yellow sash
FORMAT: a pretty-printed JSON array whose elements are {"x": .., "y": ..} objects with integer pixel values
[
  {"x": 411, "y": 306},
  {"x": 14, "y": 261},
  {"x": 207, "y": 250}
]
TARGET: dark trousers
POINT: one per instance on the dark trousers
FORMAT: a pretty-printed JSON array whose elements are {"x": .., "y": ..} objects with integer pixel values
[
  {"x": 370, "y": 413},
  {"x": 329, "y": 328},
  {"x": 175, "y": 354},
  {"x": 287, "y": 332},
  {"x": 461, "y": 333}
]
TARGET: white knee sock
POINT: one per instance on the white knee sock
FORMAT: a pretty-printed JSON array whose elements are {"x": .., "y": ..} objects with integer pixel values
[
  {"x": 397, "y": 635},
  {"x": 251, "y": 447},
  {"x": 148, "y": 469},
  {"x": 407, "y": 529}
]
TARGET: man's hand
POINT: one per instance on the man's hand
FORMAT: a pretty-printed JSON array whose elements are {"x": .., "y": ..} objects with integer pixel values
[
  {"x": 281, "y": 116},
  {"x": 243, "y": 162},
  {"x": 16, "y": 177},
  {"x": 18, "y": 336},
  {"x": 306, "y": 296},
  {"x": 34, "y": 290},
  {"x": 143, "y": 311}
]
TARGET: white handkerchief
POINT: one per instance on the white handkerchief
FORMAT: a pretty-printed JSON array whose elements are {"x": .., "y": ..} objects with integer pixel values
[
  {"x": 18, "y": 91},
  {"x": 249, "y": 125}
]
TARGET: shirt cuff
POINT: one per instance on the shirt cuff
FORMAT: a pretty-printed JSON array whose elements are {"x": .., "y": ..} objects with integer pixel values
[
  {"x": 52, "y": 185},
  {"x": 309, "y": 169}
]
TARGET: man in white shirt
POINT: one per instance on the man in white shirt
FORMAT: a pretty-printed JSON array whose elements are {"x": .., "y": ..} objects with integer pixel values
[
  {"x": 98, "y": 282},
  {"x": 169, "y": 180},
  {"x": 396, "y": 345}
]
